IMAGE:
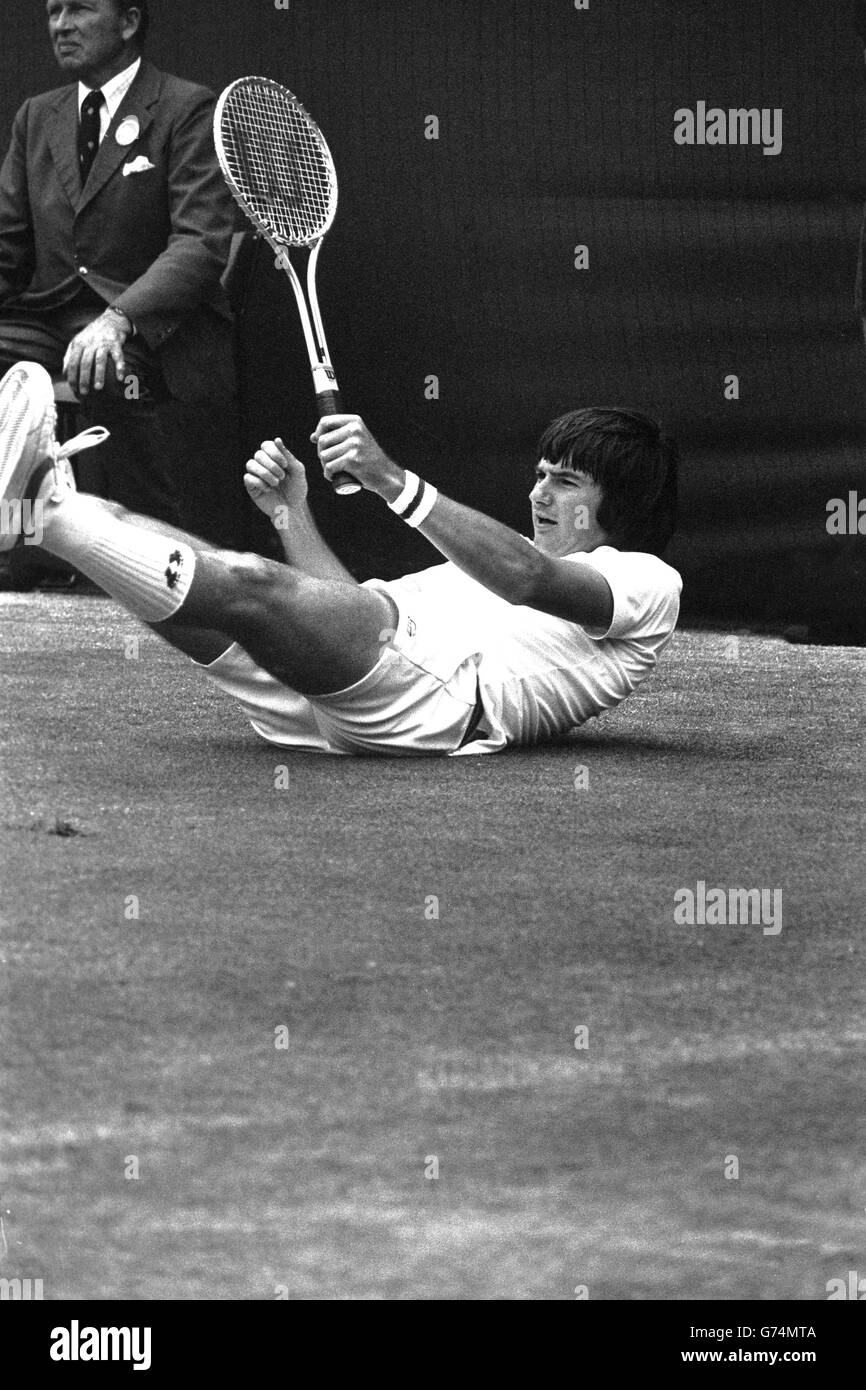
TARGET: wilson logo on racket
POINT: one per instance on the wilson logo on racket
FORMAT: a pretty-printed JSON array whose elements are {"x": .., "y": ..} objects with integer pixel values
[{"x": 258, "y": 174}]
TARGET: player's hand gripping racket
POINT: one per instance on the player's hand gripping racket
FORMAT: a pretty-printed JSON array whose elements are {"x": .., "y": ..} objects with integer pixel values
[{"x": 277, "y": 165}]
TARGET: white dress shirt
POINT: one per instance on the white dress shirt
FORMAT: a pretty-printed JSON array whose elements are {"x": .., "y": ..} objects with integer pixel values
[{"x": 114, "y": 92}]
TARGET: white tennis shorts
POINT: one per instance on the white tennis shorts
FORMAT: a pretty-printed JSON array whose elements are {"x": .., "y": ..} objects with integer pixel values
[{"x": 400, "y": 707}]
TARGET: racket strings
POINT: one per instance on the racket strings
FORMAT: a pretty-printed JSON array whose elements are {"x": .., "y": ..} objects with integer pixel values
[{"x": 279, "y": 163}]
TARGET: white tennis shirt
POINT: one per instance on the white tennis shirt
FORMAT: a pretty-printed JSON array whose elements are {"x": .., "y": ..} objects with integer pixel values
[{"x": 538, "y": 675}]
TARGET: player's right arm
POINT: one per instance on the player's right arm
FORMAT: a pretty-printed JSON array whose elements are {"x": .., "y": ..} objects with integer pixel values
[
  {"x": 277, "y": 483},
  {"x": 489, "y": 552}
]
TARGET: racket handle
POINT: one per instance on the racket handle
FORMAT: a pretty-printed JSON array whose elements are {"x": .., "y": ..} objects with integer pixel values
[{"x": 330, "y": 404}]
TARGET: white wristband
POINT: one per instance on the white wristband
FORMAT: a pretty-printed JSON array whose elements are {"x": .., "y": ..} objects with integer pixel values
[
  {"x": 425, "y": 506},
  {"x": 399, "y": 505}
]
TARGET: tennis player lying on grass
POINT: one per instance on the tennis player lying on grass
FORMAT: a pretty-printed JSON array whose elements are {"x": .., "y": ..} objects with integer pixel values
[{"x": 511, "y": 642}]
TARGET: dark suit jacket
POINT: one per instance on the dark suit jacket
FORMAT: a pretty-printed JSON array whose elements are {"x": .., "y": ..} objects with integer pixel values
[{"x": 155, "y": 243}]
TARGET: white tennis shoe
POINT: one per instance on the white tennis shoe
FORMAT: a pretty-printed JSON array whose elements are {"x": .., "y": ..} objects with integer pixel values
[{"x": 29, "y": 450}]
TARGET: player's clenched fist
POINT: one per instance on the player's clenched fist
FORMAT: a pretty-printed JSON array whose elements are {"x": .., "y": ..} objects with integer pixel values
[
  {"x": 345, "y": 445},
  {"x": 274, "y": 478}
]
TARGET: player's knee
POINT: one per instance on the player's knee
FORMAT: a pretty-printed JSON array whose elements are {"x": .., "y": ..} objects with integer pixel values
[
  {"x": 254, "y": 583},
  {"x": 116, "y": 509}
]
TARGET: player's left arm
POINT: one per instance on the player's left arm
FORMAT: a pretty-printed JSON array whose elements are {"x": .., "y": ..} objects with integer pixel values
[
  {"x": 493, "y": 554},
  {"x": 277, "y": 482}
]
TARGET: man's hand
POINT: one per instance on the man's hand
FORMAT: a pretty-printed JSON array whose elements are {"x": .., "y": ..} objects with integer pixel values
[
  {"x": 345, "y": 445},
  {"x": 274, "y": 478},
  {"x": 91, "y": 350}
]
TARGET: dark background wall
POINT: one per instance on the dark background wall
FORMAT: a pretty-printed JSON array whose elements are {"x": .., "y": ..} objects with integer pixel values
[{"x": 456, "y": 256}]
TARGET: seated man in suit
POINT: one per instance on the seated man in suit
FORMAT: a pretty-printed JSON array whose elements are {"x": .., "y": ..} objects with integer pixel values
[{"x": 115, "y": 229}]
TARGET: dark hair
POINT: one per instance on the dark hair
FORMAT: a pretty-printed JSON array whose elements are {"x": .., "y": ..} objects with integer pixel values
[
  {"x": 143, "y": 24},
  {"x": 634, "y": 463}
]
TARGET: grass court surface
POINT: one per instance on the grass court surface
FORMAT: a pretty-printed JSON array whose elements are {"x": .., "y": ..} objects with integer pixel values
[{"x": 303, "y": 1168}]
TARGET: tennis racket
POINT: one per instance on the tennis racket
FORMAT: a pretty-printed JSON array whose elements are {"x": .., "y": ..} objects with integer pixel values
[{"x": 276, "y": 163}]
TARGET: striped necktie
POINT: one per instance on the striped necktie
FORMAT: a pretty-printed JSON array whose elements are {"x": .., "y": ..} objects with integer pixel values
[{"x": 88, "y": 133}]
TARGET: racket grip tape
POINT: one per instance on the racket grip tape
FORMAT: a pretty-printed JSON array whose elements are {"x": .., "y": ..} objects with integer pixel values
[{"x": 329, "y": 403}]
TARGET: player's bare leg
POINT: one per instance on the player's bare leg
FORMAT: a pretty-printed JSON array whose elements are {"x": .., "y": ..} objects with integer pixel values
[
  {"x": 202, "y": 640},
  {"x": 316, "y": 635}
]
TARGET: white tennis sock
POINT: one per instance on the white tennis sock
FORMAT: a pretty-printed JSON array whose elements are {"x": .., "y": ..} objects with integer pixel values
[{"x": 150, "y": 574}]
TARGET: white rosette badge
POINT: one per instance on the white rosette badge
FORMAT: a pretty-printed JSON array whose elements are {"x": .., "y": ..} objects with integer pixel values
[{"x": 128, "y": 131}]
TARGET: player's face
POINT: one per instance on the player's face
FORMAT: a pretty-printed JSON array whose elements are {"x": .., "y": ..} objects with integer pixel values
[
  {"x": 90, "y": 38},
  {"x": 565, "y": 507}
]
